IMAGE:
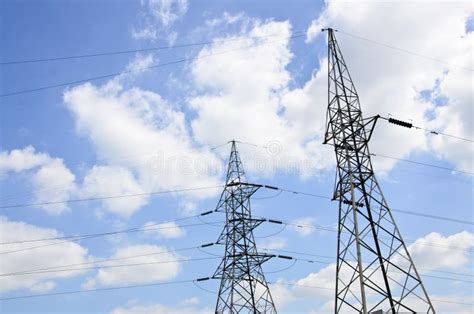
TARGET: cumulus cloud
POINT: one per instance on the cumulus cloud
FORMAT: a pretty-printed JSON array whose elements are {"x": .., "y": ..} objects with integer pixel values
[
  {"x": 239, "y": 94},
  {"x": 151, "y": 269},
  {"x": 188, "y": 306},
  {"x": 18, "y": 160},
  {"x": 51, "y": 256},
  {"x": 450, "y": 252},
  {"x": 50, "y": 178},
  {"x": 113, "y": 180},
  {"x": 167, "y": 230},
  {"x": 143, "y": 143},
  {"x": 55, "y": 174}
]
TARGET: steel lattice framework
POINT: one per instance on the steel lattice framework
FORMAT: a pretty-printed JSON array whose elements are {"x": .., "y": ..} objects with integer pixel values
[
  {"x": 374, "y": 269},
  {"x": 243, "y": 287}
]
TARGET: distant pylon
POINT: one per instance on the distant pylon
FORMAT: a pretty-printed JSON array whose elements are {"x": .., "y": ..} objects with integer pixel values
[
  {"x": 374, "y": 269},
  {"x": 243, "y": 287}
]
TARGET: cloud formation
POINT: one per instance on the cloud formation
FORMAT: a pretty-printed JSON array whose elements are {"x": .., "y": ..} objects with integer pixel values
[
  {"x": 51, "y": 179},
  {"x": 143, "y": 143},
  {"x": 45, "y": 257},
  {"x": 157, "y": 265}
]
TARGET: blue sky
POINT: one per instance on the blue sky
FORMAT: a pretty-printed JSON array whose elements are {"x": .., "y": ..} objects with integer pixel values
[{"x": 112, "y": 137}]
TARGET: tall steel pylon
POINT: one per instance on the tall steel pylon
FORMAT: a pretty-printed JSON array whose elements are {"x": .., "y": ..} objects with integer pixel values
[
  {"x": 243, "y": 287},
  {"x": 374, "y": 269}
]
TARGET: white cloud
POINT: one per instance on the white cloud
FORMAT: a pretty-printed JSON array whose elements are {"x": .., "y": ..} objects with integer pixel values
[
  {"x": 110, "y": 181},
  {"x": 188, "y": 306},
  {"x": 140, "y": 138},
  {"x": 167, "y": 230},
  {"x": 50, "y": 178},
  {"x": 50, "y": 256},
  {"x": 390, "y": 82},
  {"x": 53, "y": 174},
  {"x": 273, "y": 243},
  {"x": 19, "y": 160},
  {"x": 158, "y": 17},
  {"x": 140, "y": 63},
  {"x": 450, "y": 252},
  {"x": 149, "y": 272},
  {"x": 239, "y": 94},
  {"x": 304, "y": 226}
]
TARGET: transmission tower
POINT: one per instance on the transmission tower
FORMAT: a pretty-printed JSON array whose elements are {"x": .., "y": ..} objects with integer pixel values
[
  {"x": 375, "y": 273},
  {"x": 243, "y": 287}
]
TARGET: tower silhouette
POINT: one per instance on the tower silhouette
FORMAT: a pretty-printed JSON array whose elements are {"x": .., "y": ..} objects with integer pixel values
[
  {"x": 243, "y": 288},
  {"x": 374, "y": 269}
]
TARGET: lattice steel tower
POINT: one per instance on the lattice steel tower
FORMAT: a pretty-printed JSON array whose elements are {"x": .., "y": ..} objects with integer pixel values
[
  {"x": 374, "y": 269},
  {"x": 243, "y": 287}
]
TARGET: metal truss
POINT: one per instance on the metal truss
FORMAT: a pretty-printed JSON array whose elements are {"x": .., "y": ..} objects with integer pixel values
[
  {"x": 243, "y": 287},
  {"x": 375, "y": 273}
]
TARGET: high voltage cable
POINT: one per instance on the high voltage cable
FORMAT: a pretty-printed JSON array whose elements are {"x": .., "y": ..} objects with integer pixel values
[
  {"x": 422, "y": 163},
  {"x": 418, "y": 163},
  {"x": 169, "y": 283},
  {"x": 62, "y": 269},
  {"x": 144, "y": 228},
  {"x": 405, "y": 51},
  {"x": 151, "y": 193},
  {"x": 120, "y": 52},
  {"x": 330, "y": 229},
  {"x": 154, "y": 66},
  {"x": 404, "y": 211},
  {"x": 110, "y": 266},
  {"x": 90, "y": 237},
  {"x": 111, "y": 197},
  {"x": 410, "y": 125},
  {"x": 180, "y": 61},
  {"x": 326, "y": 288},
  {"x": 128, "y": 51},
  {"x": 102, "y": 261},
  {"x": 213, "y": 148},
  {"x": 97, "y": 290},
  {"x": 332, "y": 258}
]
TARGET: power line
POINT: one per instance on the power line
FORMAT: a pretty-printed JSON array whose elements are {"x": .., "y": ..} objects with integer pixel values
[
  {"x": 154, "y": 66},
  {"x": 405, "y": 51},
  {"x": 404, "y": 211},
  {"x": 110, "y": 197},
  {"x": 422, "y": 163},
  {"x": 172, "y": 283},
  {"x": 129, "y": 51},
  {"x": 105, "y": 260},
  {"x": 332, "y": 259},
  {"x": 213, "y": 148},
  {"x": 331, "y": 229},
  {"x": 410, "y": 125},
  {"x": 96, "y": 290},
  {"x": 326, "y": 288},
  {"x": 417, "y": 162},
  {"x": 135, "y": 229},
  {"x": 110, "y": 266},
  {"x": 84, "y": 238}
]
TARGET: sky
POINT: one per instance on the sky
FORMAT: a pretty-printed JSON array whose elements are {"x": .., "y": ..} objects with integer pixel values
[{"x": 159, "y": 119}]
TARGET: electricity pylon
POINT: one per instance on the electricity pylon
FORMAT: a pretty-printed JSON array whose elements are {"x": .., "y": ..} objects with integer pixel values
[
  {"x": 243, "y": 287},
  {"x": 374, "y": 269}
]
